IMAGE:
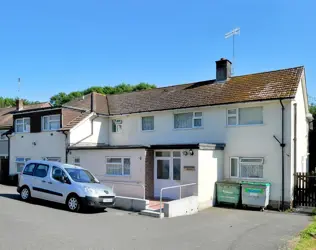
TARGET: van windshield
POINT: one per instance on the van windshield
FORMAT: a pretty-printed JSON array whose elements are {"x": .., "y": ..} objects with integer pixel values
[{"x": 81, "y": 175}]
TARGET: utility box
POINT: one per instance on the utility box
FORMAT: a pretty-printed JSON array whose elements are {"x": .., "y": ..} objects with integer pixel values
[
  {"x": 255, "y": 194},
  {"x": 228, "y": 192}
]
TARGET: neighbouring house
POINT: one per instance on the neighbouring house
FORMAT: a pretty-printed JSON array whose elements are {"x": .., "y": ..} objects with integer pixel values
[
  {"x": 249, "y": 127},
  {"x": 6, "y": 121}
]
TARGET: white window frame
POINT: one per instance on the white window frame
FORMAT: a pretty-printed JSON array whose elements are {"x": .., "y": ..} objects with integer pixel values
[
  {"x": 239, "y": 168},
  {"x": 3, "y": 138},
  {"x": 237, "y": 117},
  {"x": 118, "y": 126},
  {"x": 52, "y": 158},
  {"x": 141, "y": 123},
  {"x": 194, "y": 117},
  {"x": 77, "y": 161},
  {"x": 121, "y": 164},
  {"x": 49, "y": 121},
  {"x": 23, "y": 123},
  {"x": 25, "y": 159}
]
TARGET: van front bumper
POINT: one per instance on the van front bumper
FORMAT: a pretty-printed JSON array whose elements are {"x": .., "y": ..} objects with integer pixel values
[{"x": 98, "y": 202}]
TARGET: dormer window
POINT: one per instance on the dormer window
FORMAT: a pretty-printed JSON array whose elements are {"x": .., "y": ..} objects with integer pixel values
[
  {"x": 22, "y": 125},
  {"x": 50, "y": 122}
]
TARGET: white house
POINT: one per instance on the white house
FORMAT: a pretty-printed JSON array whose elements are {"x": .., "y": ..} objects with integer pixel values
[{"x": 250, "y": 127}]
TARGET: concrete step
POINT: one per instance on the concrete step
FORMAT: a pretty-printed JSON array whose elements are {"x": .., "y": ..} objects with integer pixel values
[{"x": 152, "y": 213}]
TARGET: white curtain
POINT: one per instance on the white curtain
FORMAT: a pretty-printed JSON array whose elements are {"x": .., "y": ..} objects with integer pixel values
[
  {"x": 148, "y": 123},
  {"x": 250, "y": 116},
  {"x": 183, "y": 120},
  {"x": 251, "y": 171}
]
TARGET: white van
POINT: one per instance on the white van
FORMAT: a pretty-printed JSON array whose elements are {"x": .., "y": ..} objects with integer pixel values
[{"x": 63, "y": 183}]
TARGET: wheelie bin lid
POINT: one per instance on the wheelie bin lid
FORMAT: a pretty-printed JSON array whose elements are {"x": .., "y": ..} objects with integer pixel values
[
  {"x": 256, "y": 183},
  {"x": 228, "y": 181}
]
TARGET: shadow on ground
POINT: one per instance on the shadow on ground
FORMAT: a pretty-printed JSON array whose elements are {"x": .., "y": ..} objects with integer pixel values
[{"x": 49, "y": 204}]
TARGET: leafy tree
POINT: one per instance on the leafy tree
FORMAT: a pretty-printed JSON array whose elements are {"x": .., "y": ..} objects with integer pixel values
[
  {"x": 10, "y": 102},
  {"x": 312, "y": 109},
  {"x": 61, "y": 98}
]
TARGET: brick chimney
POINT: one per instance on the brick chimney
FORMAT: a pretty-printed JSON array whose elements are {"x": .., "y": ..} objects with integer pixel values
[
  {"x": 19, "y": 104},
  {"x": 223, "y": 70}
]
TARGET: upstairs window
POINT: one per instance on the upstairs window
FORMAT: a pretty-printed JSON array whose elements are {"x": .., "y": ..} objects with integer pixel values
[
  {"x": 245, "y": 116},
  {"x": 50, "y": 122},
  {"x": 147, "y": 123},
  {"x": 188, "y": 120},
  {"x": 22, "y": 125},
  {"x": 117, "y": 125}
]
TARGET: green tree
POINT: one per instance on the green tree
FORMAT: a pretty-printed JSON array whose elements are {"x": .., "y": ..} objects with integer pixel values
[
  {"x": 10, "y": 102},
  {"x": 61, "y": 98},
  {"x": 312, "y": 109}
]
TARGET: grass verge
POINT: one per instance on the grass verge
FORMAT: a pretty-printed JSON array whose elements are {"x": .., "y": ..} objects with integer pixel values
[{"x": 307, "y": 238}]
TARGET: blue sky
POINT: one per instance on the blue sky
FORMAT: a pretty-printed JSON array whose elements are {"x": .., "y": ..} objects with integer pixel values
[{"x": 70, "y": 45}]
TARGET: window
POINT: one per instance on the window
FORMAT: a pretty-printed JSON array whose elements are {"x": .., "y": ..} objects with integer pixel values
[
  {"x": 117, "y": 126},
  {"x": 50, "y": 122},
  {"x": 246, "y": 167},
  {"x": 3, "y": 137},
  {"x": 58, "y": 159},
  {"x": 20, "y": 162},
  {"x": 163, "y": 168},
  {"x": 41, "y": 170},
  {"x": 147, "y": 123},
  {"x": 58, "y": 174},
  {"x": 188, "y": 120},
  {"x": 245, "y": 116},
  {"x": 162, "y": 153},
  {"x": 28, "y": 170},
  {"x": 22, "y": 125},
  {"x": 77, "y": 161},
  {"x": 118, "y": 166}
]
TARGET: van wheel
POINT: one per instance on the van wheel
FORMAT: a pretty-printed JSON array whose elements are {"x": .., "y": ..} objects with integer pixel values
[
  {"x": 73, "y": 203},
  {"x": 25, "y": 194}
]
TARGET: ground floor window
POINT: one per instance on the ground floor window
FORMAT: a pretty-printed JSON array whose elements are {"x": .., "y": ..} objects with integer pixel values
[
  {"x": 118, "y": 166},
  {"x": 58, "y": 159},
  {"x": 77, "y": 161},
  {"x": 20, "y": 162},
  {"x": 246, "y": 167}
]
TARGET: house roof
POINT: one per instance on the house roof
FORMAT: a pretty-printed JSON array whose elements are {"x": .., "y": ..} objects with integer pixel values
[
  {"x": 254, "y": 87},
  {"x": 271, "y": 85},
  {"x": 6, "y": 114}
]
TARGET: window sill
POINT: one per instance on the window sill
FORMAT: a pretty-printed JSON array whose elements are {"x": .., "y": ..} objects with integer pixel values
[
  {"x": 119, "y": 175},
  {"x": 148, "y": 131},
  {"x": 53, "y": 130},
  {"x": 247, "y": 179},
  {"x": 183, "y": 129},
  {"x": 247, "y": 125}
]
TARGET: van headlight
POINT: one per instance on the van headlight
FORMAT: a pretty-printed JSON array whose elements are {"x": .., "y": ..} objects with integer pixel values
[{"x": 90, "y": 190}]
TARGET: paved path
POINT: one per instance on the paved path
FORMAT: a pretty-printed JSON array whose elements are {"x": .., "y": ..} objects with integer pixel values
[{"x": 49, "y": 226}]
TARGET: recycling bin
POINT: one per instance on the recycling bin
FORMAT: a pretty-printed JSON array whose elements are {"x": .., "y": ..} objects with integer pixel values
[
  {"x": 255, "y": 194},
  {"x": 228, "y": 192}
]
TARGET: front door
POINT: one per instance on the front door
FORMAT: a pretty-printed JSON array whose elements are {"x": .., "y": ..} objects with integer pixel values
[{"x": 167, "y": 173}]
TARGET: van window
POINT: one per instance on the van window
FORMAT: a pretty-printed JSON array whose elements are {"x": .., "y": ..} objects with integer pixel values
[
  {"x": 41, "y": 170},
  {"x": 58, "y": 173},
  {"x": 28, "y": 170}
]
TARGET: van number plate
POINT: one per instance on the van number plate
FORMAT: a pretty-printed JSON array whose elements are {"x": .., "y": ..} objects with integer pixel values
[{"x": 107, "y": 200}]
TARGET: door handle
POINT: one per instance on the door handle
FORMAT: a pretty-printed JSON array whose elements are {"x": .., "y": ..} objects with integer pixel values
[
  {"x": 43, "y": 181},
  {"x": 49, "y": 182}
]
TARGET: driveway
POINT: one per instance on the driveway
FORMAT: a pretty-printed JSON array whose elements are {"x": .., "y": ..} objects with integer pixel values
[{"x": 48, "y": 226}]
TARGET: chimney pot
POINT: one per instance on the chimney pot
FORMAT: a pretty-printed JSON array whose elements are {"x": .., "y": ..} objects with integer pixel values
[
  {"x": 223, "y": 69},
  {"x": 19, "y": 104}
]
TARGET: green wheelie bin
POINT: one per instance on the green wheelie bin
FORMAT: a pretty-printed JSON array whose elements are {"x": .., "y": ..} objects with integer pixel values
[{"x": 228, "y": 192}]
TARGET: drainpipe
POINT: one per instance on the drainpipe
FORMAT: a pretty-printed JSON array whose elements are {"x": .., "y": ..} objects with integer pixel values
[
  {"x": 295, "y": 136},
  {"x": 67, "y": 150},
  {"x": 282, "y": 146}
]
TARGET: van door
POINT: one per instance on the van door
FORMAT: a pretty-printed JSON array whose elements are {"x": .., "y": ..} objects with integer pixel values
[
  {"x": 60, "y": 189},
  {"x": 40, "y": 179}
]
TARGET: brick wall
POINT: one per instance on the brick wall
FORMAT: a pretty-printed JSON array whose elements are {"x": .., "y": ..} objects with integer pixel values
[{"x": 149, "y": 174}]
